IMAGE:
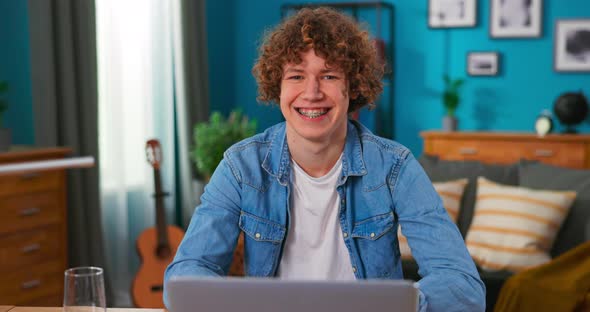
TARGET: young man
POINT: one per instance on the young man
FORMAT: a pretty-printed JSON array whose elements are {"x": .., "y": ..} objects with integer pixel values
[{"x": 319, "y": 196}]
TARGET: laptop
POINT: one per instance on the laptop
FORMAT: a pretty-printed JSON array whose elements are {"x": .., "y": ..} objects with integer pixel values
[{"x": 231, "y": 294}]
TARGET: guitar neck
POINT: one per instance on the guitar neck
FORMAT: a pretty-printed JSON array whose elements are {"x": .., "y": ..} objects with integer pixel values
[{"x": 160, "y": 212}]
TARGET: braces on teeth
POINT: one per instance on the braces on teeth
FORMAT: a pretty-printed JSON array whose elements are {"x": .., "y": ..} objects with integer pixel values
[{"x": 313, "y": 115}]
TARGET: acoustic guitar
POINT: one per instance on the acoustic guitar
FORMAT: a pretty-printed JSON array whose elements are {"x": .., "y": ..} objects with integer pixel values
[{"x": 156, "y": 246}]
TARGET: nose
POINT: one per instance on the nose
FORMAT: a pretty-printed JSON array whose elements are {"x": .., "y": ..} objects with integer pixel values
[{"x": 312, "y": 91}]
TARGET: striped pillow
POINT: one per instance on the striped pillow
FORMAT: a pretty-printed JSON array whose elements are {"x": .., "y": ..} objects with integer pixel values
[
  {"x": 514, "y": 227},
  {"x": 450, "y": 192}
]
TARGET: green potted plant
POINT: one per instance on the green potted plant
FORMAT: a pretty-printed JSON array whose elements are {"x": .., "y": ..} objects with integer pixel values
[
  {"x": 213, "y": 137},
  {"x": 210, "y": 140},
  {"x": 5, "y": 133},
  {"x": 451, "y": 100}
]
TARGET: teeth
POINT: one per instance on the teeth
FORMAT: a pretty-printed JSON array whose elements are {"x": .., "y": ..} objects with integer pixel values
[{"x": 312, "y": 113}]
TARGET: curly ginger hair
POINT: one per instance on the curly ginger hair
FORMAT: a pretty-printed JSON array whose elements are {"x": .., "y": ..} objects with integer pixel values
[{"x": 335, "y": 37}]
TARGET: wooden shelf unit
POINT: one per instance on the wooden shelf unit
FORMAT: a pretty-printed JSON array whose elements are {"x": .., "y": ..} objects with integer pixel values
[
  {"x": 565, "y": 150},
  {"x": 33, "y": 230}
]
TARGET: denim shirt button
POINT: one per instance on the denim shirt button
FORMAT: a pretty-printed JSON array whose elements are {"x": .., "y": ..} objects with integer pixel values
[
  {"x": 257, "y": 235},
  {"x": 343, "y": 201},
  {"x": 345, "y": 234},
  {"x": 372, "y": 234},
  {"x": 354, "y": 269}
]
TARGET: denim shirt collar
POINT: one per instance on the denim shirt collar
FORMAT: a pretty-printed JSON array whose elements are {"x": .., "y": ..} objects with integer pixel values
[{"x": 277, "y": 161}]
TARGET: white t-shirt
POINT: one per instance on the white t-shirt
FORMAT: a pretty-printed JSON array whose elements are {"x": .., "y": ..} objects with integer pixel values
[{"x": 315, "y": 246}]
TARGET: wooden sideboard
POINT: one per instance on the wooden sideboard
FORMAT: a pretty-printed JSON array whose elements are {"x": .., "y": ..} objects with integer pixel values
[
  {"x": 565, "y": 150},
  {"x": 33, "y": 231}
]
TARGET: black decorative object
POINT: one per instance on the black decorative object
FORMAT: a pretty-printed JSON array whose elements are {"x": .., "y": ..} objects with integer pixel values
[{"x": 571, "y": 108}]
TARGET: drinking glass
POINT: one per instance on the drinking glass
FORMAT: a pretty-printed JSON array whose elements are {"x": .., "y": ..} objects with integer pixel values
[{"x": 84, "y": 290}]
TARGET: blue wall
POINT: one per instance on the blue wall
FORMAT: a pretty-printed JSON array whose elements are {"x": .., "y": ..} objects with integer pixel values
[
  {"x": 15, "y": 68},
  {"x": 511, "y": 101},
  {"x": 221, "y": 41},
  {"x": 527, "y": 83}
]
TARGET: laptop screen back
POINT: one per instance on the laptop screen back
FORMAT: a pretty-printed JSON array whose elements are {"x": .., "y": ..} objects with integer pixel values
[{"x": 194, "y": 294}]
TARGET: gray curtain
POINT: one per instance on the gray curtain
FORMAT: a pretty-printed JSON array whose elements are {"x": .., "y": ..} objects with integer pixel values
[
  {"x": 192, "y": 100},
  {"x": 65, "y": 97},
  {"x": 194, "y": 36}
]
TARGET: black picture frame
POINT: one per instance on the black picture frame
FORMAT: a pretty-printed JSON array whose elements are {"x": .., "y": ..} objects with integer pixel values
[
  {"x": 516, "y": 19},
  {"x": 483, "y": 63},
  {"x": 452, "y": 13},
  {"x": 571, "y": 45}
]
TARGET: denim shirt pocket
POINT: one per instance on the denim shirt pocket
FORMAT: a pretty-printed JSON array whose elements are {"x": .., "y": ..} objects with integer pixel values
[
  {"x": 261, "y": 230},
  {"x": 374, "y": 227},
  {"x": 377, "y": 244},
  {"x": 262, "y": 241}
]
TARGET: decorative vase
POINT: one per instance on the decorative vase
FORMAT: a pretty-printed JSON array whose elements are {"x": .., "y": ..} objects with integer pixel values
[
  {"x": 450, "y": 123},
  {"x": 5, "y": 139}
]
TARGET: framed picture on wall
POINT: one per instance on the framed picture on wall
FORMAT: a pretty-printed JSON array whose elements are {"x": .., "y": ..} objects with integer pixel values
[
  {"x": 451, "y": 13},
  {"x": 483, "y": 63},
  {"x": 572, "y": 45},
  {"x": 516, "y": 18}
]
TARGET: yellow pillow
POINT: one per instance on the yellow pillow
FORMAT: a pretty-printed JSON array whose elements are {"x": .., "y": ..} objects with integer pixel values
[
  {"x": 450, "y": 192},
  {"x": 513, "y": 228}
]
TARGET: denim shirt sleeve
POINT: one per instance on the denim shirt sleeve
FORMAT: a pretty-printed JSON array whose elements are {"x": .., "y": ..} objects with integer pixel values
[
  {"x": 209, "y": 242},
  {"x": 450, "y": 281}
]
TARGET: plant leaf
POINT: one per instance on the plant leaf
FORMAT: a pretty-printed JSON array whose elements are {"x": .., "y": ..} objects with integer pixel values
[
  {"x": 214, "y": 137},
  {"x": 457, "y": 83}
]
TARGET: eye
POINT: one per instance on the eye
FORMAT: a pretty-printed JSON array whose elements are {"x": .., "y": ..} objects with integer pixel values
[
  {"x": 295, "y": 77},
  {"x": 330, "y": 77}
]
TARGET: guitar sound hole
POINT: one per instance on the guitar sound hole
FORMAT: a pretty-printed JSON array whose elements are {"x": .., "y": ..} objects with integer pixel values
[{"x": 157, "y": 288}]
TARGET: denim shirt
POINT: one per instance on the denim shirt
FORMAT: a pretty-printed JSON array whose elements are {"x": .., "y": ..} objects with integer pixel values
[{"x": 381, "y": 187}]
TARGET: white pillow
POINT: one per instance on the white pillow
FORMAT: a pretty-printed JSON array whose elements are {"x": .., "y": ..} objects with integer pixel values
[
  {"x": 513, "y": 227},
  {"x": 451, "y": 193}
]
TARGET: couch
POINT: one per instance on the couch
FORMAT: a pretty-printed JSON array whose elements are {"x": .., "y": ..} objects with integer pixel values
[{"x": 574, "y": 231}]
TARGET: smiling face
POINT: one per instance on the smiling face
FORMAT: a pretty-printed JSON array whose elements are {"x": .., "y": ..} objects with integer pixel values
[{"x": 314, "y": 101}]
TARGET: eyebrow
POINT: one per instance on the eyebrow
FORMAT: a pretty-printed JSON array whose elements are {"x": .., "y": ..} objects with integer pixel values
[
  {"x": 323, "y": 71},
  {"x": 330, "y": 70},
  {"x": 293, "y": 70}
]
